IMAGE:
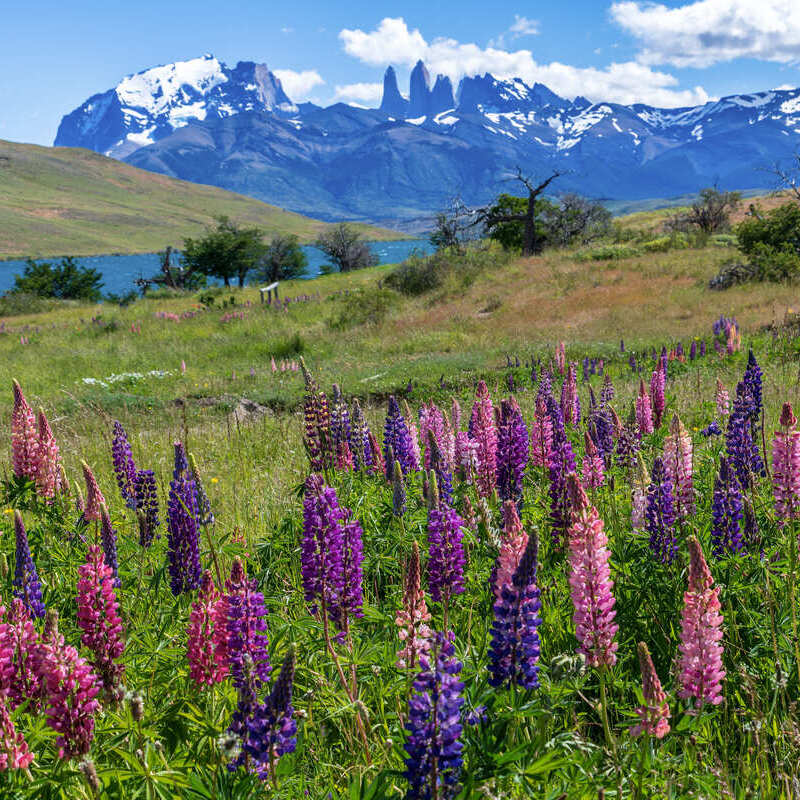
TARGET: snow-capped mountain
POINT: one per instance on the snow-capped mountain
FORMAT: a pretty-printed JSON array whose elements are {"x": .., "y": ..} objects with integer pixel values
[
  {"x": 408, "y": 158},
  {"x": 150, "y": 105}
]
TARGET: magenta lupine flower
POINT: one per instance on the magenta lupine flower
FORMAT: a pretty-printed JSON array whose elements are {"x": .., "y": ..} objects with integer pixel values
[
  {"x": 466, "y": 458},
  {"x": 377, "y": 466},
  {"x": 14, "y": 753},
  {"x": 48, "y": 470},
  {"x": 445, "y": 550},
  {"x": 413, "y": 618},
  {"x": 207, "y": 632},
  {"x": 413, "y": 432},
  {"x": 70, "y": 688},
  {"x": 640, "y": 483},
  {"x": 678, "y": 462},
  {"x": 786, "y": 467},
  {"x": 94, "y": 497},
  {"x": 541, "y": 433},
  {"x": 700, "y": 660},
  {"x": 512, "y": 546},
  {"x": 483, "y": 432},
  {"x": 560, "y": 357},
  {"x": 98, "y": 617},
  {"x": 644, "y": 411},
  {"x": 432, "y": 422},
  {"x": 592, "y": 468},
  {"x": 20, "y": 641},
  {"x": 569, "y": 396},
  {"x": 455, "y": 414},
  {"x": 722, "y": 400},
  {"x": 590, "y": 581},
  {"x": 511, "y": 451},
  {"x": 657, "y": 402},
  {"x": 654, "y": 714},
  {"x": 24, "y": 437}
]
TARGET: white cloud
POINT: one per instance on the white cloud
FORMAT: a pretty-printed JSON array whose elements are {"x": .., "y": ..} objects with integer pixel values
[
  {"x": 357, "y": 93},
  {"x": 523, "y": 27},
  {"x": 298, "y": 85},
  {"x": 628, "y": 82},
  {"x": 706, "y": 32}
]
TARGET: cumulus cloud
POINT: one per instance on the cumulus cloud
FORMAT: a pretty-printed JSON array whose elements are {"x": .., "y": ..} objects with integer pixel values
[
  {"x": 393, "y": 43},
  {"x": 523, "y": 27},
  {"x": 358, "y": 93},
  {"x": 707, "y": 32},
  {"x": 298, "y": 85}
]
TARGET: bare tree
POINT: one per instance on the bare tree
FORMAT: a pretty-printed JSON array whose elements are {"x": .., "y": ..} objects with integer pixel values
[
  {"x": 452, "y": 227},
  {"x": 787, "y": 178}
]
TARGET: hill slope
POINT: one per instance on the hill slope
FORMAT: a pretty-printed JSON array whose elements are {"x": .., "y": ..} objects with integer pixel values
[{"x": 61, "y": 200}]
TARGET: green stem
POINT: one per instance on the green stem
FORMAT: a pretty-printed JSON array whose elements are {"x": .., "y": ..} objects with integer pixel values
[
  {"x": 610, "y": 741},
  {"x": 793, "y": 564}
]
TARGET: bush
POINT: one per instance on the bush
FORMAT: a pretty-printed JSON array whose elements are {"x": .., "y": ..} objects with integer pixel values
[
  {"x": 13, "y": 304},
  {"x": 66, "y": 280},
  {"x": 778, "y": 227},
  {"x": 291, "y": 346},
  {"x": 608, "y": 252},
  {"x": 775, "y": 263},
  {"x": 364, "y": 307}
]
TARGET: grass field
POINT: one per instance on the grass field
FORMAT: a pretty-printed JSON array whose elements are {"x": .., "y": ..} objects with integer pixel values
[
  {"x": 89, "y": 365},
  {"x": 67, "y": 201}
]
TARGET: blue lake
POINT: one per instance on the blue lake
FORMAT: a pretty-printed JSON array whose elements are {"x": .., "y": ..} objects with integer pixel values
[{"x": 119, "y": 272}]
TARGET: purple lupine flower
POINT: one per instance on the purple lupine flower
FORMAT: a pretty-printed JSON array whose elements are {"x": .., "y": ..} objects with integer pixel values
[
  {"x": 752, "y": 379},
  {"x": 702, "y": 347},
  {"x": 726, "y": 512},
  {"x": 108, "y": 538},
  {"x": 341, "y": 430},
  {"x": 712, "y": 429},
  {"x": 183, "y": 537},
  {"x": 601, "y": 428},
  {"x": 445, "y": 549},
  {"x": 660, "y": 513},
  {"x": 359, "y": 433},
  {"x": 512, "y": 452},
  {"x": 561, "y": 462},
  {"x": 693, "y": 350},
  {"x": 397, "y": 436},
  {"x": 146, "y": 496},
  {"x": 622, "y": 345},
  {"x": 398, "y": 491},
  {"x": 739, "y": 443},
  {"x": 607, "y": 391},
  {"x": 27, "y": 586},
  {"x": 514, "y": 651},
  {"x": 124, "y": 466},
  {"x": 439, "y": 465},
  {"x": 205, "y": 516},
  {"x": 628, "y": 441},
  {"x": 352, "y": 597},
  {"x": 585, "y": 367},
  {"x": 632, "y": 362},
  {"x": 433, "y": 763}
]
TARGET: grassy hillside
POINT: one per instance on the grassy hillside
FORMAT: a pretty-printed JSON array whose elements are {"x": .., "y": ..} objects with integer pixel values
[{"x": 57, "y": 201}]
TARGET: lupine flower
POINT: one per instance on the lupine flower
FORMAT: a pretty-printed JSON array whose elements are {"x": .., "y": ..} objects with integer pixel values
[
  {"x": 592, "y": 468},
  {"x": 628, "y": 442},
  {"x": 413, "y": 618},
  {"x": 693, "y": 350},
  {"x": 48, "y": 470},
  {"x": 445, "y": 550},
  {"x": 702, "y": 347},
  {"x": 739, "y": 443},
  {"x": 466, "y": 459},
  {"x": 108, "y": 538},
  {"x": 316, "y": 415},
  {"x": 124, "y": 466},
  {"x": 205, "y": 516},
  {"x": 654, "y": 714},
  {"x": 433, "y": 422},
  {"x": 344, "y": 456},
  {"x": 678, "y": 462},
  {"x": 14, "y": 753},
  {"x": 98, "y": 617},
  {"x": 483, "y": 432},
  {"x": 397, "y": 437},
  {"x": 512, "y": 451},
  {"x": 560, "y": 357},
  {"x": 752, "y": 379},
  {"x": 569, "y": 397},
  {"x": 660, "y": 514},
  {"x": 359, "y": 433},
  {"x": 590, "y": 581},
  {"x": 433, "y": 763},
  {"x": 700, "y": 661},
  {"x": 712, "y": 429},
  {"x": 455, "y": 414},
  {"x": 541, "y": 434},
  {"x": 183, "y": 537},
  {"x": 24, "y": 437},
  {"x": 468, "y": 514},
  {"x": 726, "y": 511},
  {"x": 514, "y": 650},
  {"x": 398, "y": 491},
  {"x": 272, "y": 726},
  {"x": 413, "y": 433},
  {"x": 722, "y": 400},
  {"x": 561, "y": 462},
  {"x": 440, "y": 467},
  {"x": 786, "y": 467},
  {"x": 206, "y": 634},
  {"x": 21, "y": 679},
  {"x": 27, "y": 586},
  {"x": 341, "y": 430},
  {"x": 640, "y": 483},
  {"x": 513, "y": 542},
  {"x": 377, "y": 467},
  {"x": 70, "y": 688},
  {"x": 644, "y": 412},
  {"x": 657, "y": 402},
  {"x": 146, "y": 505},
  {"x": 601, "y": 428},
  {"x": 94, "y": 497}
]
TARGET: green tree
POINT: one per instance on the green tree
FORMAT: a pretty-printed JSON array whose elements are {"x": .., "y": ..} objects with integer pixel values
[
  {"x": 506, "y": 221},
  {"x": 771, "y": 241},
  {"x": 283, "y": 258},
  {"x": 66, "y": 280},
  {"x": 342, "y": 243},
  {"x": 226, "y": 252}
]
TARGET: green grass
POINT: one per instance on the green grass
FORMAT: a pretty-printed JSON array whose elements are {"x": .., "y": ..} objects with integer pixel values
[{"x": 68, "y": 201}]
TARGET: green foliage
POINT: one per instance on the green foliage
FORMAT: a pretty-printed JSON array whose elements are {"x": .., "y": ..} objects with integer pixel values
[
  {"x": 663, "y": 244},
  {"x": 510, "y": 235},
  {"x": 293, "y": 345},
  {"x": 283, "y": 258},
  {"x": 363, "y": 307},
  {"x": 13, "y": 304},
  {"x": 772, "y": 242},
  {"x": 66, "y": 280},
  {"x": 608, "y": 252},
  {"x": 344, "y": 246}
]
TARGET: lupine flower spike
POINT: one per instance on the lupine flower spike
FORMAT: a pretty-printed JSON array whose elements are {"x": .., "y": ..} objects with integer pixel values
[
  {"x": 644, "y": 411},
  {"x": 726, "y": 511},
  {"x": 592, "y": 468},
  {"x": 24, "y": 437},
  {"x": 14, "y": 753},
  {"x": 513, "y": 542},
  {"x": 786, "y": 467},
  {"x": 660, "y": 514},
  {"x": 183, "y": 538},
  {"x": 722, "y": 400},
  {"x": 654, "y": 714},
  {"x": 640, "y": 482},
  {"x": 94, "y": 497},
  {"x": 445, "y": 548},
  {"x": 657, "y": 402},
  {"x": 206, "y": 648},
  {"x": 27, "y": 586},
  {"x": 108, "y": 538},
  {"x": 49, "y": 468},
  {"x": 124, "y": 466},
  {"x": 413, "y": 618},
  {"x": 678, "y": 461},
  {"x": 398, "y": 491},
  {"x": 483, "y": 432}
]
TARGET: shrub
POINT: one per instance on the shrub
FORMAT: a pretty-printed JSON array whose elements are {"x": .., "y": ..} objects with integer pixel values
[
  {"x": 291, "y": 346},
  {"x": 364, "y": 307},
  {"x": 66, "y": 280},
  {"x": 608, "y": 252},
  {"x": 15, "y": 303}
]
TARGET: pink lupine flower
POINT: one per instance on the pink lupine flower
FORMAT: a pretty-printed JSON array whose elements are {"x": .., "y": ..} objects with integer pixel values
[
  {"x": 700, "y": 660},
  {"x": 654, "y": 714},
  {"x": 786, "y": 467},
  {"x": 640, "y": 482},
  {"x": 344, "y": 456},
  {"x": 413, "y": 618},
  {"x": 14, "y": 753},
  {"x": 512, "y": 547},
  {"x": 678, "y": 462},
  {"x": 541, "y": 434},
  {"x": 434, "y": 421},
  {"x": 48, "y": 470},
  {"x": 592, "y": 468},
  {"x": 561, "y": 358},
  {"x": 183, "y": 367},
  {"x": 644, "y": 411},
  {"x": 272, "y": 364},
  {"x": 570, "y": 407},
  {"x": 94, "y": 497},
  {"x": 70, "y": 689},
  {"x": 466, "y": 456},
  {"x": 98, "y": 617},
  {"x": 206, "y": 635},
  {"x": 20, "y": 678},
  {"x": 413, "y": 432},
  {"x": 24, "y": 437},
  {"x": 590, "y": 581},
  {"x": 455, "y": 414},
  {"x": 657, "y": 402},
  {"x": 483, "y": 432},
  {"x": 722, "y": 400}
]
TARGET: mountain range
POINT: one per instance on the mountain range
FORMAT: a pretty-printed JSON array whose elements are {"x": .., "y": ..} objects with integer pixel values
[{"x": 236, "y": 128}]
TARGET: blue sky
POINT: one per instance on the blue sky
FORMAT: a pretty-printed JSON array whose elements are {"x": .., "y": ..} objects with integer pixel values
[{"x": 54, "y": 55}]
